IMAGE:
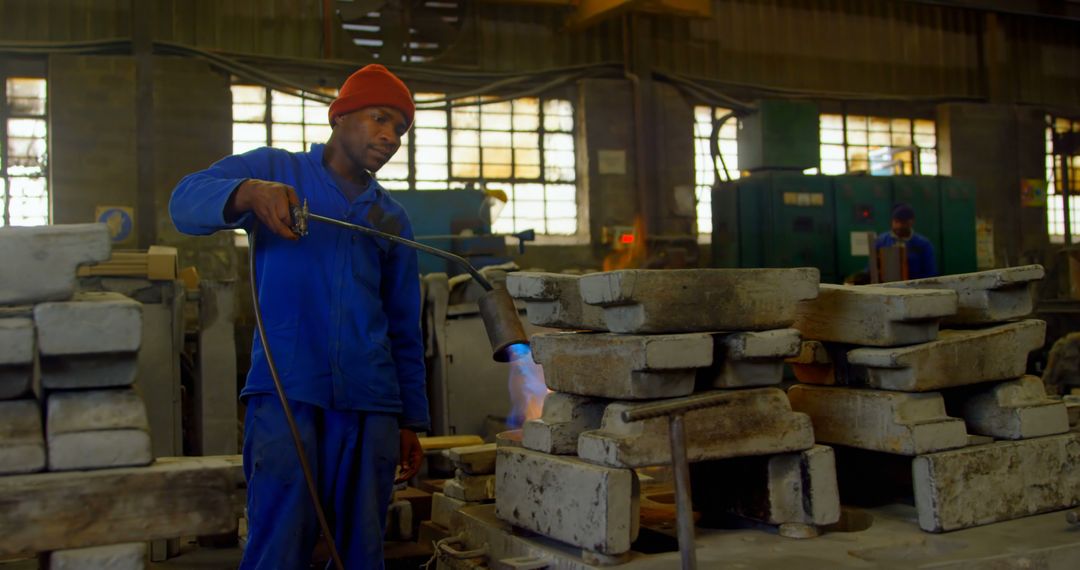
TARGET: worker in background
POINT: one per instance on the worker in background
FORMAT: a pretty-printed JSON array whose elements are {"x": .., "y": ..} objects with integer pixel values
[
  {"x": 342, "y": 317},
  {"x": 920, "y": 252}
]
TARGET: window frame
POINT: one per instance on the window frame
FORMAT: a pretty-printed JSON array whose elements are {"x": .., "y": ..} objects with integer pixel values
[
  {"x": 731, "y": 162},
  {"x": 844, "y": 114},
  {"x": 1053, "y": 196},
  {"x": 32, "y": 69},
  {"x": 580, "y": 234}
]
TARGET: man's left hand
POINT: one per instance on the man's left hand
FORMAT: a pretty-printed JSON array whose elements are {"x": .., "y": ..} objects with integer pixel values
[{"x": 411, "y": 455}]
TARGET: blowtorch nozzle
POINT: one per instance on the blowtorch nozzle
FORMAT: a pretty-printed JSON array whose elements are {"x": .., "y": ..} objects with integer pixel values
[{"x": 502, "y": 323}]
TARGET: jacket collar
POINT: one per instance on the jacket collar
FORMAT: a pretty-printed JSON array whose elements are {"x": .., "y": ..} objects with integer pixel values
[{"x": 372, "y": 193}]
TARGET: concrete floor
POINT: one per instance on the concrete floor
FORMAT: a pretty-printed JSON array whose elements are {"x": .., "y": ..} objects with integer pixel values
[{"x": 892, "y": 541}]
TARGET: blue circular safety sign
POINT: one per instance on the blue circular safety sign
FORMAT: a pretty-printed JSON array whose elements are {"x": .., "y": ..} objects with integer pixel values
[{"x": 119, "y": 222}]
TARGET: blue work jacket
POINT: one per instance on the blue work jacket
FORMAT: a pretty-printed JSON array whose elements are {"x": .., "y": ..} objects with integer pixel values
[
  {"x": 341, "y": 309},
  {"x": 920, "y": 254}
]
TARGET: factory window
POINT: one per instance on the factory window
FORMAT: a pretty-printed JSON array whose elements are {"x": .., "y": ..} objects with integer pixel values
[
  {"x": 877, "y": 145},
  {"x": 265, "y": 117},
  {"x": 24, "y": 183},
  {"x": 703, "y": 159},
  {"x": 1055, "y": 199},
  {"x": 523, "y": 147}
]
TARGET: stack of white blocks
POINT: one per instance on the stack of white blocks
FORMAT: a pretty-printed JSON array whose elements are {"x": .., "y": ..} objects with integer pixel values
[
  {"x": 473, "y": 484},
  {"x": 67, "y": 366},
  {"x": 880, "y": 372},
  {"x": 643, "y": 336}
]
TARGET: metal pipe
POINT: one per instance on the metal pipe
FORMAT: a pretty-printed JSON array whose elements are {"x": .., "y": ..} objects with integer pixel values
[
  {"x": 301, "y": 216},
  {"x": 684, "y": 508},
  {"x": 680, "y": 406}
]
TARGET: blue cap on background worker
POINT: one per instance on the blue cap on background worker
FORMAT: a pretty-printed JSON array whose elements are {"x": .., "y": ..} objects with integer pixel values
[
  {"x": 342, "y": 319},
  {"x": 920, "y": 252}
]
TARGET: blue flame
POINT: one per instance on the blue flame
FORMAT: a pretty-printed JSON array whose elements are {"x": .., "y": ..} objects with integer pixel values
[{"x": 527, "y": 387}]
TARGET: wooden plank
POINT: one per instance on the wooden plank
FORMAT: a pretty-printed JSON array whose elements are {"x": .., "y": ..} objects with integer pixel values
[
  {"x": 445, "y": 442},
  {"x": 176, "y": 496}
]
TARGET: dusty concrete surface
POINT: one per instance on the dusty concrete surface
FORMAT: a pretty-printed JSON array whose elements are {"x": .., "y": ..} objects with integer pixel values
[
  {"x": 96, "y": 428},
  {"x": 755, "y": 421},
  {"x": 563, "y": 419},
  {"x": 91, "y": 323},
  {"x": 748, "y": 359},
  {"x": 473, "y": 459},
  {"x": 957, "y": 358},
  {"x": 878, "y": 420},
  {"x": 444, "y": 509},
  {"x": 787, "y": 488},
  {"x": 1015, "y": 409},
  {"x": 893, "y": 541},
  {"x": 80, "y": 371},
  {"x": 129, "y": 556},
  {"x": 465, "y": 487},
  {"x": 22, "y": 439},
  {"x": 16, "y": 357},
  {"x": 42, "y": 260},
  {"x": 995, "y": 482},
  {"x": 554, "y": 300},
  {"x": 629, "y": 367},
  {"x": 986, "y": 296},
  {"x": 874, "y": 316},
  {"x": 693, "y": 300},
  {"x": 585, "y": 505}
]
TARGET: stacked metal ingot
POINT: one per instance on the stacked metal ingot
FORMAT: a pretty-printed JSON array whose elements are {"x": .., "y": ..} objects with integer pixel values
[
  {"x": 640, "y": 337},
  {"x": 879, "y": 375},
  {"x": 473, "y": 484},
  {"x": 69, "y": 358}
]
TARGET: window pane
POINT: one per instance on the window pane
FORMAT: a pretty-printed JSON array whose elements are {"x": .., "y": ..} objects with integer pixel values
[
  {"x": 495, "y": 139},
  {"x": 289, "y": 133},
  {"x": 494, "y": 121},
  {"x": 431, "y": 154},
  {"x": 249, "y": 132},
  {"x": 26, "y": 96},
  {"x": 434, "y": 118},
  {"x": 556, "y": 123},
  {"x": 560, "y": 107},
  {"x": 465, "y": 155},
  {"x": 316, "y": 113},
  {"x": 466, "y": 169},
  {"x": 249, "y": 94},
  {"x": 431, "y": 137},
  {"x": 497, "y": 170},
  {"x": 498, "y": 156},
  {"x": 249, "y": 112},
  {"x": 465, "y": 118},
  {"x": 317, "y": 134},
  {"x": 431, "y": 172}
]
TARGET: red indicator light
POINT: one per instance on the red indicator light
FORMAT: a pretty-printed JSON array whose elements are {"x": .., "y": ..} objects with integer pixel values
[{"x": 626, "y": 239}]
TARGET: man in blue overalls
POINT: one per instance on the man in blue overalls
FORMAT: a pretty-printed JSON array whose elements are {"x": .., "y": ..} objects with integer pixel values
[
  {"x": 342, "y": 317},
  {"x": 920, "y": 252}
]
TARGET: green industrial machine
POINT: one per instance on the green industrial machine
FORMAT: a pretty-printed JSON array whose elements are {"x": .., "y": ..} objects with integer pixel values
[
  {"x": 780, "y": 135},
  {"x": 785, "y": 219}
]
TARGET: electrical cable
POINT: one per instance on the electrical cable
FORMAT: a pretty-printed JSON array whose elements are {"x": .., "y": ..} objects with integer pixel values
[{"x": 300, "y": 451}]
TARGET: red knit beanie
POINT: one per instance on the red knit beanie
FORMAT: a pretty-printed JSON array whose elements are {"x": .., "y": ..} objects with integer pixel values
[{"x": 373, "y": 86}]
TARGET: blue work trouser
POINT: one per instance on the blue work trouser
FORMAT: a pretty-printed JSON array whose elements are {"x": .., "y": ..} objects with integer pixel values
[{"x": 353, "y": 456}]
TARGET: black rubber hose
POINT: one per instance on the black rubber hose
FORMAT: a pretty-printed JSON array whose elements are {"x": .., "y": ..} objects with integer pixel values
[{"x": 313, "y": 490}]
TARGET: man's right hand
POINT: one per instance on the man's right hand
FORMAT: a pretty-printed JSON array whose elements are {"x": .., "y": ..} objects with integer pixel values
[{"x": 271, "y": 202}]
